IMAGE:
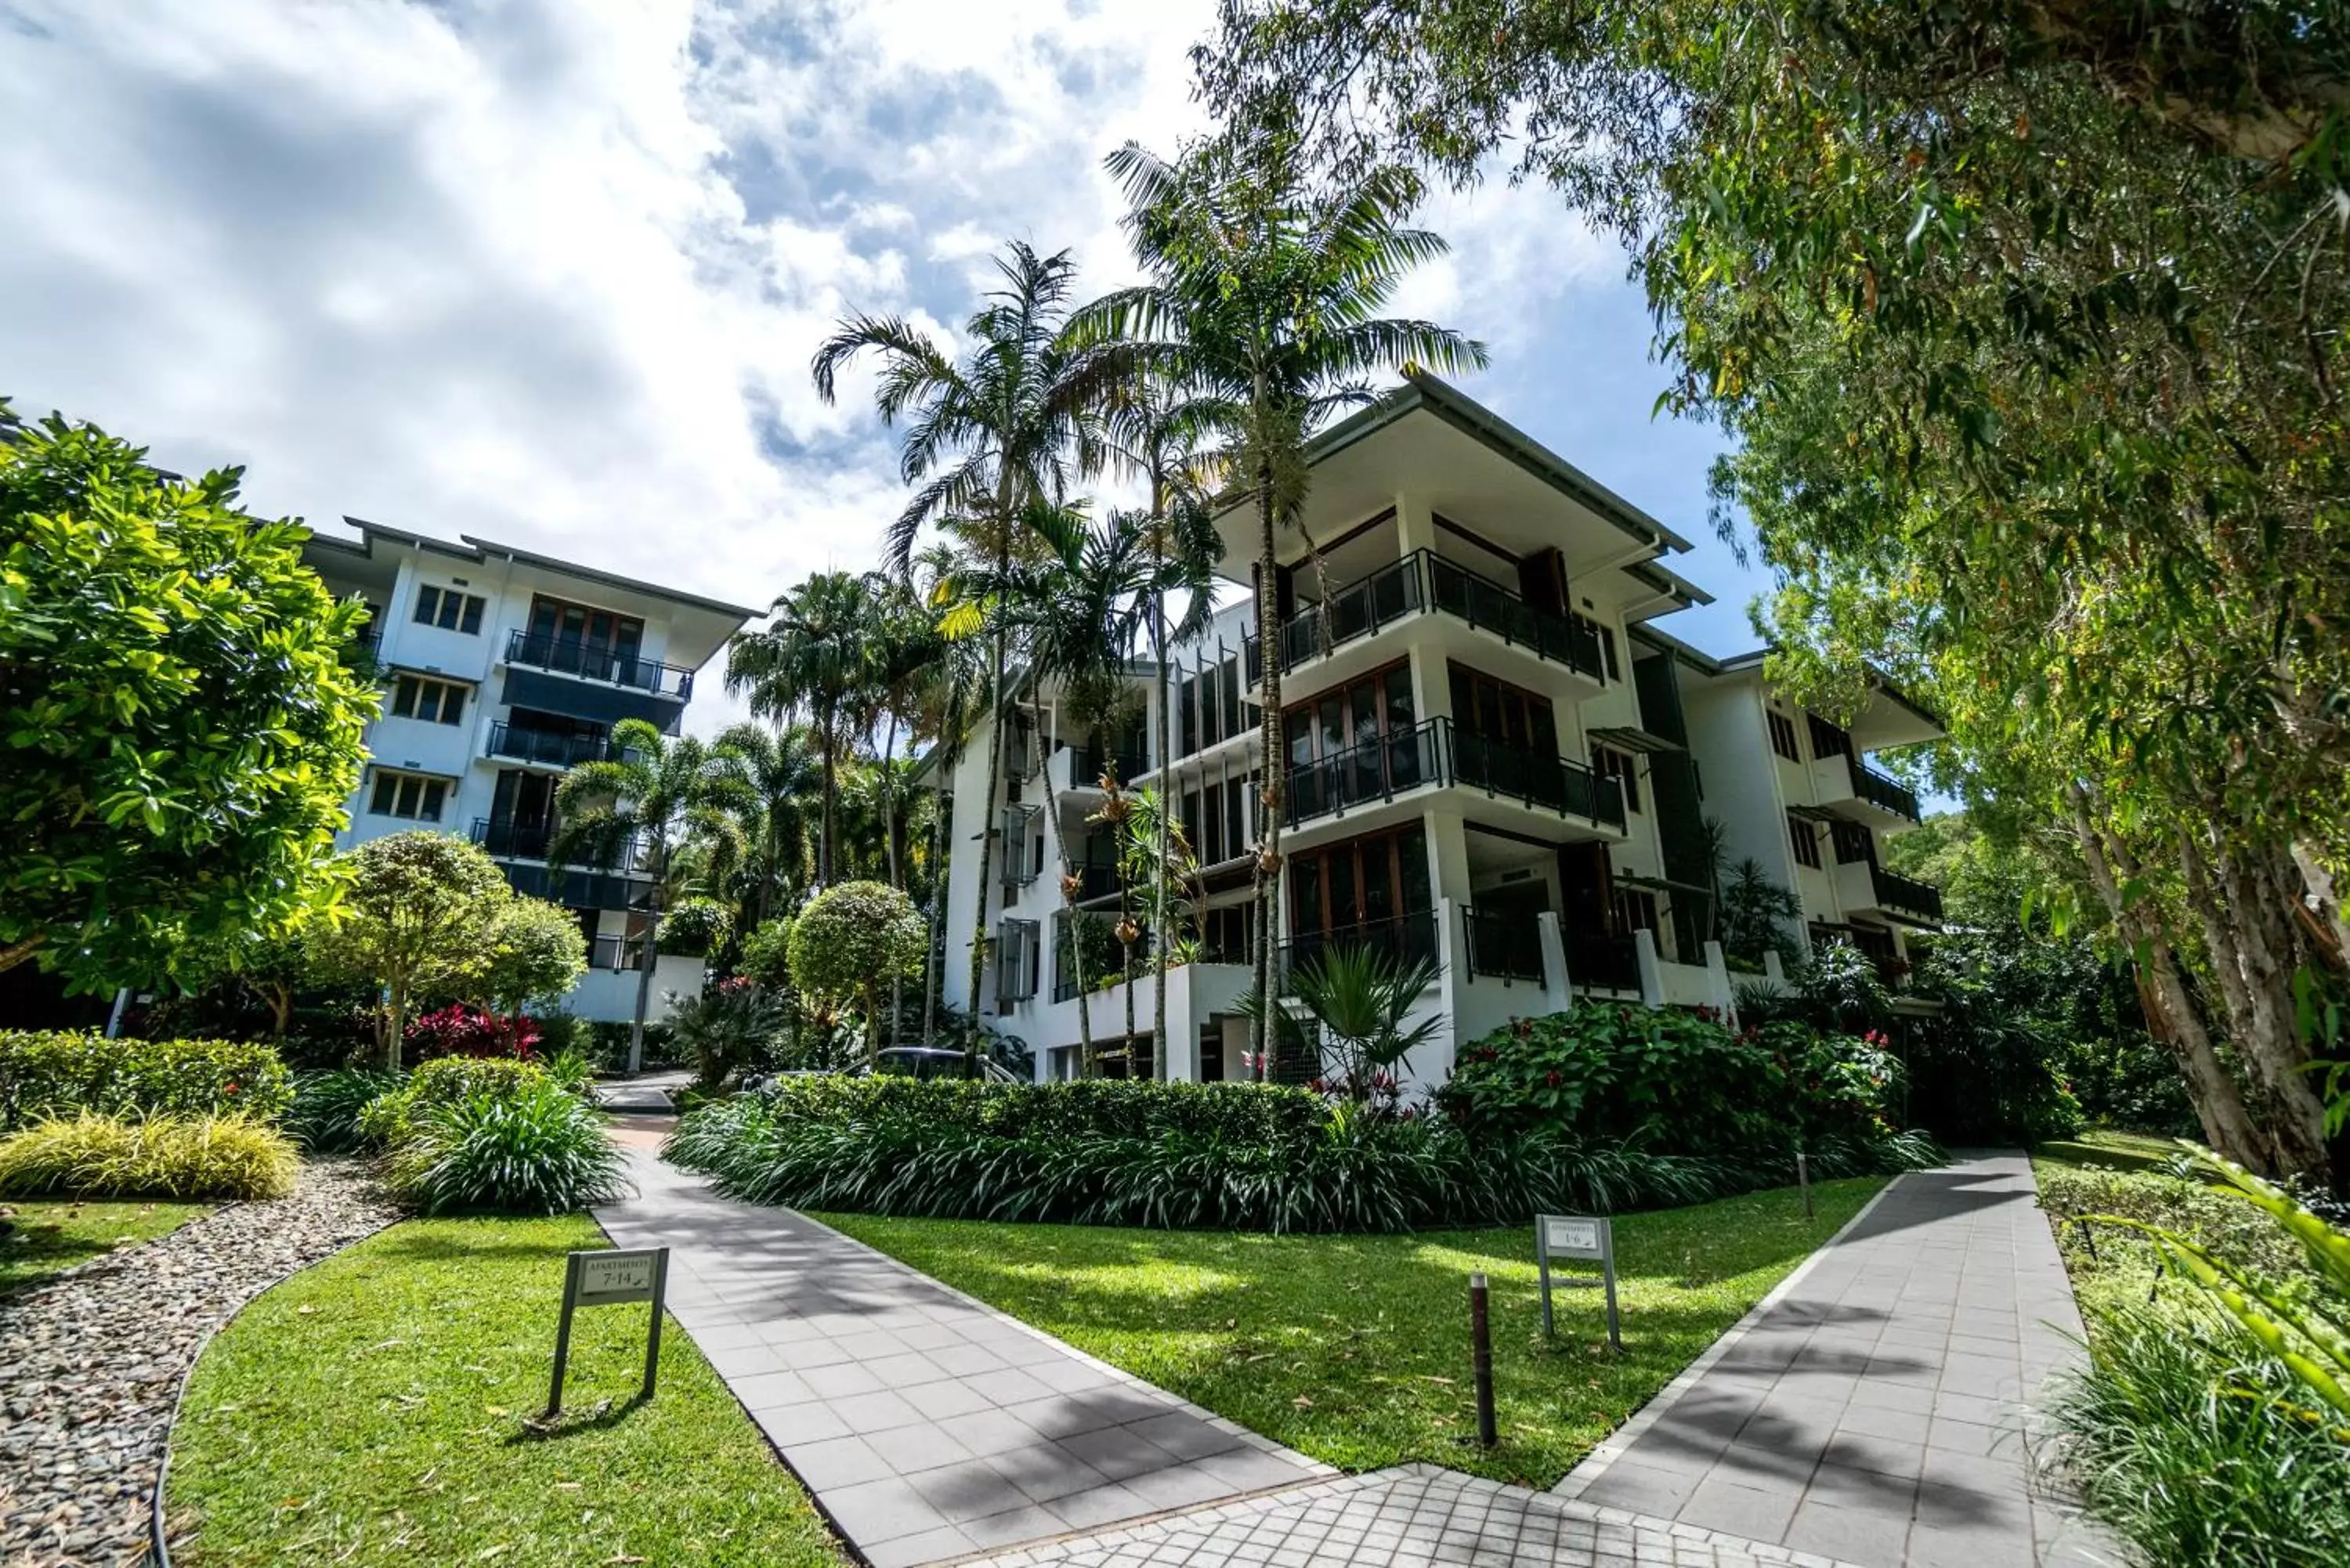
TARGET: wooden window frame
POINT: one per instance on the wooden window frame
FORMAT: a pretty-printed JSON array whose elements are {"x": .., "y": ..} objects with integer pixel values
[
  {"x": 450, "y": 609},
  {"x": 1803, "y": 837},
  {"x": 1300, "y": 718},
  {"x": 409, "y": 694},
  {"x": 1389, "y": 841},
  {"x": 1513, "y": 702},
  {"x": 420, "y": 790},
  {"x": 1783, "y": 735}
]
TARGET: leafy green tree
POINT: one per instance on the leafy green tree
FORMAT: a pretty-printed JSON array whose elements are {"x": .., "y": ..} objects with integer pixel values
[
  {"x": 416, "y": 922},
  {"x": 639, "y": 804},
  {"x": 851, "y": 941},
  {"x": 181, "y": 728},
  {"x": 698, "y": 927},
  {"x": 765, "y": 960},
  {"x": 762, "y": 777},
  {"x": 1263, "y": 288},
  {"x": 812, "y": 661},
  {"x": 985, "y": 436},
  {"x": 535, "y": 953},
  {"x": 271, "y": 966}
]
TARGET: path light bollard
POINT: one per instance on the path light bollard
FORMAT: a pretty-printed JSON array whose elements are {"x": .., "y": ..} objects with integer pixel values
[
  {"x": 1804, "y": 1181},
  {"x": 1481, "y": 1337}
]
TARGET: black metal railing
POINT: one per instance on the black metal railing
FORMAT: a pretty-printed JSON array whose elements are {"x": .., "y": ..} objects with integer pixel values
[
  {"x": 1569, "y": 639},
  {"x": 1504, "y": 945},
  {"x": 1905, "y": 895},
  {"x": 1065, "y": 969},
  {"x": 1091, "y": 763},
  {"x": 589, "y": 662},
  {"x": 1435, "y": 752},
  {"x": 1407, "y": 938},
  {"x": 1423, "y": 581},
  {"x": 530, "y": 839},
  {"x": 1595, "y": 961},
  {"x": 524, "y": 744},
  {"x": 1883, "y": 793},
  {"x": 618, "y": 953}
]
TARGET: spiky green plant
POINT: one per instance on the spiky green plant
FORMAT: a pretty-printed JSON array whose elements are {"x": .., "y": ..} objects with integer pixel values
[{"x": 532, "y": 1149}]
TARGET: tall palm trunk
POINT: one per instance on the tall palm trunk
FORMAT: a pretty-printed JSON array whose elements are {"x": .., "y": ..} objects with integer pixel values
[
  {"x": 1160, "y": 833},
  {"x": 831, "y": 791},
  {"x": 1273, "y": 780},
  {"x": 991, "y": 808},
  {"x": 938, "y": 914},
  {"x": 897, "y": 877}
]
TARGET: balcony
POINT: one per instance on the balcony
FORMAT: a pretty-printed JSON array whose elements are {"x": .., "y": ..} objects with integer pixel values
[
  {"x": 1407, "y": 939},
  {"x": 1864, "y": 889},
  {"x": 1596, "y": 962},
  {"x": 601, "y": 666},
  {"x": 1854, "y": 790},
  {"x": 1503, "y": 945},
  {"x": 508, "y": 839},
  {"x": 1080, "y": 769},
  {"x": 619, "y": 954},
  {"x": 1422, "y": 581},
  {"x": 521, "y": 743},
  {"x": 1433, "y": 753}
]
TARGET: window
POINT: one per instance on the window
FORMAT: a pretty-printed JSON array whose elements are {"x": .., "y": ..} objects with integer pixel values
[
  {"x": 1806, "y": 840},
  {"x": 570, "y": 626},
  {"x": 1351, "y": 715},
  {"x": 1853, "y": 842},
  {"x": 1610, "y": 763},
  {"x": 1366, "y": 881},
  {"x": 433, "y": 701},
  {"x": 407, "y": 796},
  {"x": 1608, "y": 652},
  {"x": 1215, "y": 820},
  {"x": 449, "y": 609},
  {"x": 1782, "y": 737},
  {"x": 1827, "y": 741},
  {"x": 1636, "y": 910},
  {"x": 1496, "y": 710}
]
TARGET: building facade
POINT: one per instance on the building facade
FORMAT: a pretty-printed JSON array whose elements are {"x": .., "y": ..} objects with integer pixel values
[
  {"x": 502, "y": 670},
  {"x": 1493, "y": 761}
]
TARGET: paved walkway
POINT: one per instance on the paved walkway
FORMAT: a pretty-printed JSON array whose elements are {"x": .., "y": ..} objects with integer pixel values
[
  {"x": 1871, "y": 1411},
  {"x": 926, "y": 1425},
  {"x": 1415, "y": 1516}
]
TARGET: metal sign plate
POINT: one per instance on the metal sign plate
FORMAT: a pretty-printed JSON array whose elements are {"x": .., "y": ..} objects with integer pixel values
[
  {"x": 1564, "y": 1238},
  {"x": 606, "y": 1278}
]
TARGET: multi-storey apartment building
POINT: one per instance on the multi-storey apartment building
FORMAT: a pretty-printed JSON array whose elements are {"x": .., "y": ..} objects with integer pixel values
[
  {"x": 1493, "y": 762},
  {"x": 502, "y": 668}
]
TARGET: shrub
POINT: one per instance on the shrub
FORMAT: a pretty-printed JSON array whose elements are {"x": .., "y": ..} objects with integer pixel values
[
  {"x": 324, "y": 1117},
  {"x": 728, "y": 1027},
  {"x": 1181, "y": 1156},
  {"x": 851, "y": 941},
  {"x": 48, "y": 1075},
  {"x": 1672, "y": 1081},
  {"x": 695, "y": 927},
  {"x": 392, "y": 1118},
  {"x": 608, "y": 1044},
  {"x": 458, "y": 1030},
  {"x": 95, "y": 1156},
  {"x": 526, "y": 1147},
  {"x": 559, "y": 1032},
  {"x": 2172, "y": 1456},
  {"x": 766, "y": 957}
]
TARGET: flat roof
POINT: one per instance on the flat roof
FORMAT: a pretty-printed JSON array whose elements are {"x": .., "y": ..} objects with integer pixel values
[{"x": 472, "y": 548}]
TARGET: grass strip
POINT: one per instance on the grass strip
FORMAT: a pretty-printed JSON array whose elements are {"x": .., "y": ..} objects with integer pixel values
[
  {"x": 375, "y": 1406},
  {"x": 1354, "y": 1349},
  {"x": 53, "y": 1235}
]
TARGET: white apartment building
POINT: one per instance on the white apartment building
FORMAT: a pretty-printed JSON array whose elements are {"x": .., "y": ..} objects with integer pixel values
[
  {"x": 502, "y": 670},
  {"x": 1493, "y": 761}
]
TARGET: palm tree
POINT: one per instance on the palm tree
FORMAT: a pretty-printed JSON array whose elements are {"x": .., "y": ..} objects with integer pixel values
[
  {"x": 1264, "y": 290},
  {"x": 645, "y": 800},
  {"x": 810, "y": 663},
  {"x": 1154, "y": 429},
  {"x": 763, "y": 776},
  {"x": 984, "y": 438}
]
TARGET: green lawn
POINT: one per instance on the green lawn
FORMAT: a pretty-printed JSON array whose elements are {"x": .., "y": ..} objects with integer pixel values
[
  {"x": 1354, "y": 1349},
  {"x": 52, "y": 1236},
  {"x": 374, "y": 1407}
]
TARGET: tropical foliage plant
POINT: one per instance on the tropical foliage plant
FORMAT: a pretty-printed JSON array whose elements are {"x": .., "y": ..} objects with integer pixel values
[
  {"x": 91, "y": 1155},
  {"x": 60, "y": 1072},
  {"x": 325, "y": 1115},
  {"x": 530, "y": 1148}
]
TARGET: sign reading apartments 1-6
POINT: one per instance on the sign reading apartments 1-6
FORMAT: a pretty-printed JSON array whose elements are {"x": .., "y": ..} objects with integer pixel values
[{"x": 1580, "y": 1238}]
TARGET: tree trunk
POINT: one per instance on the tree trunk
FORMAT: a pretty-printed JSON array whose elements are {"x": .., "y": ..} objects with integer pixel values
[
  {"x": 897, "y": 874},
  {"x": 399, "y": 1025},
  {"x": 1274, "y": 776},
  {"x": 2228, "y": 1123},
  {"x": 993, "y": 806},
  {"x": 2250, "y": 940},
  {"x": 938, "y": 913},
  {"x": 824, "y": 846},
  {"x": 1164, "y": 828},
  {"x": 15, "y": 954}
]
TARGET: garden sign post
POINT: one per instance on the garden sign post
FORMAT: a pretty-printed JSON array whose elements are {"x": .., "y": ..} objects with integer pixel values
[
  {"x": 608, "y": 1278},
  {"x": 1587, "y": 1239}
]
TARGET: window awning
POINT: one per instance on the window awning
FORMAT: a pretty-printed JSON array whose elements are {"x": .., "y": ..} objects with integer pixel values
[
  {"x": 1814, "y": 814},
  {"x": 1632, "y": 737}
]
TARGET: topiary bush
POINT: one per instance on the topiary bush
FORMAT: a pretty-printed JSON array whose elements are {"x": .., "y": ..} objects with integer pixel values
[
  {"x": 1185, "y": 1156},
  {"x": 53, "y": 1073},
  {"x": 93, "y": 1156},
  {"x": 524, "y": 1147},
  {"x": 851, "y": 941},
  {"x": 1672, "y": 1081}
]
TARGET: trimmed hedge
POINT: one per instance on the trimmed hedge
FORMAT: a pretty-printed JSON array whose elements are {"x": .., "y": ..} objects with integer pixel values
[
  {"x": 93, "y": 1156},
  {"x": 56, "y": 1073},
  {"x": 392, "y": 1118},
  {"x": 1189, "y": 1156}
]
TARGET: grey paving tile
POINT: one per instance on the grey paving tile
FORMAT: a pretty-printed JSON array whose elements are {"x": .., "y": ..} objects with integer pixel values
[
  {"x": 837, "y": 1462},
  {"x": 1754, "y": 1512},
  {"x": 1101, "y": 1504},
  {"x": 811, "y": 1423},
  {"x": 904, "y": 1370},
  {"x": 1877, "y": 1421},
  {"x": 871, "y": 1413},
  {"x": 1043, "y": 1472},
  {"x": 1066, "y": 1415},
  {"x": 967, "y": 1489},
  {"x": 882, "y": 1510},
  {"x": 1117, "y": 1451},
  {"x": 936, "y": 1545},
  {"x": 1253, "y": 1470},
  {"x": 920, "y": 1447},
  {"x": 1027, "y": 1521},
  {"x": 1854, "y": 1535},
  {"x": 1640, "y": 1488},
  {"x": 766, "y": 1390},
  {"x": 839, "y": 1381},
  {"x": 1178, "y": 1486},
  {"x": 943, "y": 1399},
  {"x": 1185, "y": 1436}
]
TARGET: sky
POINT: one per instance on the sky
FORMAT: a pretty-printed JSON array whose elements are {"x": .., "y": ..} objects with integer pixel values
[{"x": 551, "y": 272}]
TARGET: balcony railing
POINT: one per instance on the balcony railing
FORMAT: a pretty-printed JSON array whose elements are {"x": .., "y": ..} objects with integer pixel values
[
  {"x": 1503, "y": 945},
  {"x": 1424, "y": 581},
  {"x": 621, "y": 954},
  {"x": 569, "y": 656},
  {"x": 1600, "y": 963},
  {"x": 1881, "y": 792},
  {"x": 524, "y": 744},
  {"x": 515, "y": 839},
  {"x": 1407, "y": 939},
  {"x": 1435, "y": 752},
  {"x": 1905, "y": 895},
  {"x": 1089, "y": 763}
]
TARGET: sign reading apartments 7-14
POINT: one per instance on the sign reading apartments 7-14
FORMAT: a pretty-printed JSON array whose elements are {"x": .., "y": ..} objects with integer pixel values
[
  {"x": 610, "y": 1279},
  {"x": 1582, "y": 1238}
]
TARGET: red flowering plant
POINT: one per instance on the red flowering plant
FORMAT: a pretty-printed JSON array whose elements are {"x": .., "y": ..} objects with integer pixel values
[{"x": 459, "y": 1030}]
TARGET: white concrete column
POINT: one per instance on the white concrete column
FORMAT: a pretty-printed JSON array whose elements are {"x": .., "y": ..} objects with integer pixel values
[
  {"x": 1557, "y": 994},
  {"x": 1773, "y": 970},
  {"x": 1653, "y": 977},
  {"x": 1717, "y": 970},
  {"x": 1448, "y": 848}
]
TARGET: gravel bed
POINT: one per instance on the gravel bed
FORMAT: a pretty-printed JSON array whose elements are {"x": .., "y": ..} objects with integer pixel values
[{"x": 91, "y": 1361}]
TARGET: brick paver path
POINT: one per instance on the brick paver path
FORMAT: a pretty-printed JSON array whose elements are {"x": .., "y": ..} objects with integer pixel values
[
  {"x": 926, "y": 1425},
  {"x": 1871, "y": 1411},
  {"x": 1415, "y": 1516}
]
